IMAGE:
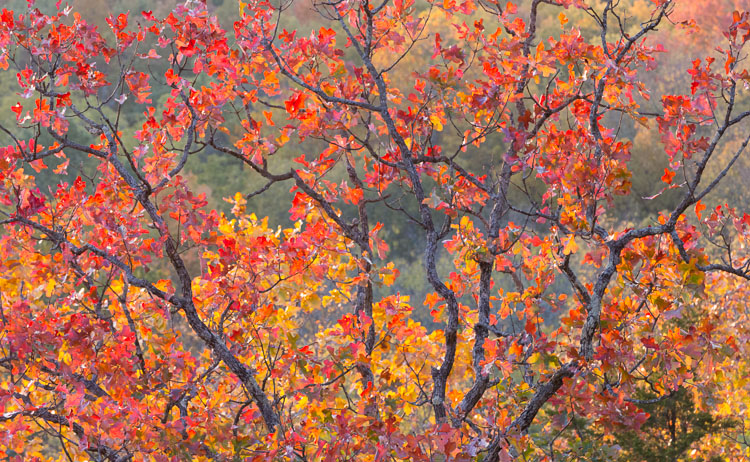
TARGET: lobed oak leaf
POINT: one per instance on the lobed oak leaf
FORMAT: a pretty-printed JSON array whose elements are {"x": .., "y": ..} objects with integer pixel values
[
  {"x": 295, "y": 104},
  {"x": 138, "y": 83},
  {"x": 570, "y": 245},
  {"x": 699, "y": 207},
  {"x": 38, "y": 165},
  {"x": 649, "y": 342},
  {"x": 17, "y": 109},
  {"x": 668, "y": 176}
]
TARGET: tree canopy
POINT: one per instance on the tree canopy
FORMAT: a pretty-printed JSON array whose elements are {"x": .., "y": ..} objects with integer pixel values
[{"x": 401, "y": 230}]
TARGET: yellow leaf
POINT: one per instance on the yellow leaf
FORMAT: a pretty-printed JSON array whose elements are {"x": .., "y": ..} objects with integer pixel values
[
  {"x": 116, "y": 285},
  {"x": 282, "y": 139},
  {"x": 571, "y": 246},
  {"x": 436, "y": 123},
  {"x": 163, "y": 285},
  {"x": 311, "y": 301},
  {"x": 226, "y": 227},
  {"x": 545, "y": 70},
  {"x": 64, "y": 356},
  {"x": 50, "y": 288}
]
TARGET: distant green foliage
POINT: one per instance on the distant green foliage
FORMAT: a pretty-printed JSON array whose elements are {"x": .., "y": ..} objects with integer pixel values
[{"x": 675, "y": 424}]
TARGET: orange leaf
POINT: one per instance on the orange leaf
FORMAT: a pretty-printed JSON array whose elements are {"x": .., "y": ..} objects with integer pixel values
[
  {"x": 668, "y": 176},
  {"x": 699, "y": 207},
  {"x": 570, "y": 246}
]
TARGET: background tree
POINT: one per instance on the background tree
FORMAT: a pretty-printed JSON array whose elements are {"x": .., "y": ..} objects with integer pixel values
[{"x": 673, "y": 426}]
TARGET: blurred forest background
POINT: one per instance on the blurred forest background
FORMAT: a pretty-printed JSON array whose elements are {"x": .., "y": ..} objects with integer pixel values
[{"x": 675, "y": 423}]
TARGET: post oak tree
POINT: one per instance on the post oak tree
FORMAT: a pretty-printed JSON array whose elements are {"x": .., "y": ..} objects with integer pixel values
[{"x": 140, "y": 324}]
